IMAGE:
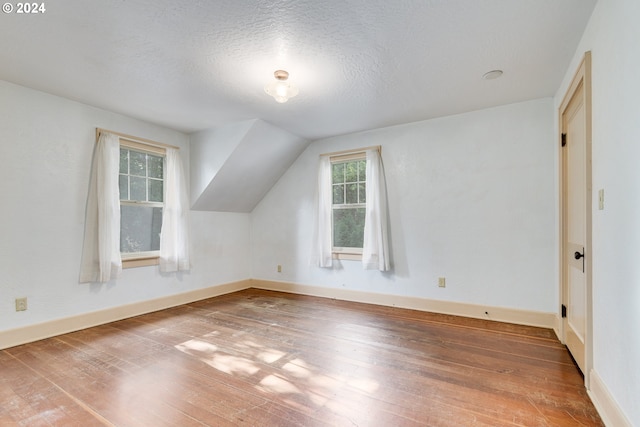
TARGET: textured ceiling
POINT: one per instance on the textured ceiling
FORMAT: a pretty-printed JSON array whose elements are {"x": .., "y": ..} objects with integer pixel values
[{"x": 360, "y": 64}]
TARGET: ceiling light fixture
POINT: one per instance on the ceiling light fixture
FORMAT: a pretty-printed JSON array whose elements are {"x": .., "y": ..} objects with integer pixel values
[
  {"x": 281, "y": 90},
  {"x": 492, "y": 75}
]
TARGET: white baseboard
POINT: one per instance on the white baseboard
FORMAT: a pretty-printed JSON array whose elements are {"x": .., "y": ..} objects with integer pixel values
[
  {"x": 30, "y": 333},
  {"x": 605, "y": 404},
  {"x": 500, "y": 314},
  {"x": 557, "y": 327}
]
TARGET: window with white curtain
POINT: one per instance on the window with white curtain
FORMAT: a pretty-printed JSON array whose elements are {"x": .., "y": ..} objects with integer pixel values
[
  {"x": 137, "y": 209},
  {"x": 351, "y": 210}
]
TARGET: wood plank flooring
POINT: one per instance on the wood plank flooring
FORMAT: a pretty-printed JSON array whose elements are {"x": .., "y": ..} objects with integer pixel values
[{"x": 260, "y": 358}]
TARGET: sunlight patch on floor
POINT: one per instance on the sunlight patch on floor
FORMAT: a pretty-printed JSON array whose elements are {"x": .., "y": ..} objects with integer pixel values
[
  {"x": 209, "y": 354},
  {"x": 270, "y": 355},
  {"x": 196, "y": 346},
  {"x": 232, "y": 364},
  {"x": 278, "y": 384},
  {"x": 363, "y": 384},
  {"x": 299, "y": 382},
  {"x": 296, "y": 370}
]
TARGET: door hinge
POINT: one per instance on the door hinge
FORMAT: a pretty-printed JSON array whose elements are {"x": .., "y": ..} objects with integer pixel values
[
  {"x": 564, "y": 311},
  {"x": 564, "y": 139}
]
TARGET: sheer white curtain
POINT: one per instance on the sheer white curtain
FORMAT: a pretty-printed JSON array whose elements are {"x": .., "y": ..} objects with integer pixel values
[
  {"x": 174, "y": 237},
  {"x": 321, "y": 255},
  {"x": 375, "y": 250},
  {"x": 101, "y": 259}
]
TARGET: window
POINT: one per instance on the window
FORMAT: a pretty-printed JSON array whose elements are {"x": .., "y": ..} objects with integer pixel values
[
  {"x": 351, "y": 216},
  {"x": 137, "y": 208},
  {"x": 348, "y": 182},
  {"x": 141, "y": 184}
]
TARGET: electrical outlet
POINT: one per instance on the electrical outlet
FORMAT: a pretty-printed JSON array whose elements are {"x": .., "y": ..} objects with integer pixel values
[
  {"x": 279, "y": 268},
  {"x": 442, "y": 282},
  {"x": 21, "y": 304}
]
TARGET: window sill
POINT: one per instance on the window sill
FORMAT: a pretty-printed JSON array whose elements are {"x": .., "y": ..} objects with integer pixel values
[
  {"x": 140, "y": 262},
  {"x": 347, "y": 256}
]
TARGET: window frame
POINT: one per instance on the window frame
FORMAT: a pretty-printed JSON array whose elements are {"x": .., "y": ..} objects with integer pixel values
[
  {"x": 145, "y": 258},
  {"x": 346, "y": 253}
]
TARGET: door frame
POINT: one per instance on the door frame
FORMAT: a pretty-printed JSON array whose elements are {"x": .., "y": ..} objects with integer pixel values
[{"x": 581, "y": 81}]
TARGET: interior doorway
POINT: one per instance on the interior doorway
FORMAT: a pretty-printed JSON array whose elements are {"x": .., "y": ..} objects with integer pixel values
[{"x": 576, "y": 216}]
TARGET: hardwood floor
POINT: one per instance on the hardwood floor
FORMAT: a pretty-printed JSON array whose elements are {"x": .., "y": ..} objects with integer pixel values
[{"x": 260, "y": 358}]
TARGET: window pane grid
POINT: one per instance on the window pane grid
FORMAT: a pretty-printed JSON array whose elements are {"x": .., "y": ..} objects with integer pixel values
[
  {"x": 141, "y": 184},
  {"x": 141, "y": 176},
  {"x": 349, "y": 183},
  {"x": 348, "y": 203}
]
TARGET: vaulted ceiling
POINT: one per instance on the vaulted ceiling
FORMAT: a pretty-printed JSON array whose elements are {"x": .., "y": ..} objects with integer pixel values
[{"x": 193, "y": 65}]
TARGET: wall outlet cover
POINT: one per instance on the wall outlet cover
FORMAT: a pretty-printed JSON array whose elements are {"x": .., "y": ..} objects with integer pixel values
[{"x": 21, "y": 304}]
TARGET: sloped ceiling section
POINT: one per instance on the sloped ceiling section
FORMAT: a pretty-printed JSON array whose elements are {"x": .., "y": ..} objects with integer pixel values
[{"x": 234, "y": 166}]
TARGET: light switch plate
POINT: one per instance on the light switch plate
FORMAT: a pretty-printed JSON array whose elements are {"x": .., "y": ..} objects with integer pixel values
[{"x": 601, "y": 199}]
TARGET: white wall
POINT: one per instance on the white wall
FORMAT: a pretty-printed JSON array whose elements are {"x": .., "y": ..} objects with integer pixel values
[
  {"x": 235, "y": 165},
  {"x": 612, "y": 35},
  {"x": 471, "y": 199},
  {"x": 46, "y": 145},
  {"x": 209, "y": 150}
]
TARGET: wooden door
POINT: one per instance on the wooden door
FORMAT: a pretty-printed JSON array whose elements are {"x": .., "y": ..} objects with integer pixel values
[{"x": 576, "y": 220}]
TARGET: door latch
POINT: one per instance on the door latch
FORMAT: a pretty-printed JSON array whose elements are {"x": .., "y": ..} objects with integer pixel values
[{"x": 578, "y": 255}]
